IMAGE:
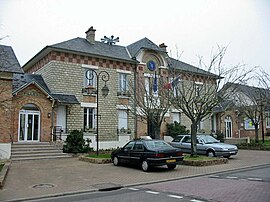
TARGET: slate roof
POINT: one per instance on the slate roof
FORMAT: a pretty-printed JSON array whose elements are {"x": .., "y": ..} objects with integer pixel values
[
  {"x": 144, "y": 43},
  {"x": 65, "y": 99},
  {"x": 176, "y": 64},
  {"x": 103, "y": 50},
  {"x": 8, "y": 60},
  {"x": 98, "y": 48},
  {"x": 20, "y": 81},
  {"x": 250, "y": 91}
]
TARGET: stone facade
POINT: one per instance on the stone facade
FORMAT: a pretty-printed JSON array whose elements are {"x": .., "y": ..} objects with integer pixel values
[{"x": 64, "y": 73}]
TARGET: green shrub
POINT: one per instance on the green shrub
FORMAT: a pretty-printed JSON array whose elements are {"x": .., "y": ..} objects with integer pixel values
[
  {"x": 75, "y": 143},
  {"x": 254, "y": 146},
  {"x": 174, "y": 129},
  {"x": 219, "y": 136}
]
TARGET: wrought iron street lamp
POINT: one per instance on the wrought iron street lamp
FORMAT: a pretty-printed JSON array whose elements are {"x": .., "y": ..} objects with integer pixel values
[{"x": 104, "y": 76}]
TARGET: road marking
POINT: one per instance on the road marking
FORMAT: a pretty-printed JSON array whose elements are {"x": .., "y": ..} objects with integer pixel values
[
  {"x": 214, "y": 176},
  {"x": 255, "y": 179},
  {"x": 133, "y": 189},
  {"x": 175, "y": 196},
  {"x": 194, "y": 200},
  {"x": 231, "y": 177},
  {"x": 152, "y": 192}
]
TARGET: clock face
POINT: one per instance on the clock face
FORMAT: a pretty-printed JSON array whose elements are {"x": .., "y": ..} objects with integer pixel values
[{"x": 151, "y": 65}]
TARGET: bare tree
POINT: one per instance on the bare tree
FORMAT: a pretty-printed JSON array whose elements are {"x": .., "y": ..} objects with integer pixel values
[
  {"x": 152, "y": 102},
  {"x": 252, "y": 101},
  {"x": 197, "y": 92}
]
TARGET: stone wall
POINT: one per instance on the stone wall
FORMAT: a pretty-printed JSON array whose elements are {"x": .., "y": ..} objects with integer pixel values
[{"x": 67, "y": 77}]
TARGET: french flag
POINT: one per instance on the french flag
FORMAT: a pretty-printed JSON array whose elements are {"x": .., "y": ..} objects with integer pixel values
[{"x": 172, "y": 83}]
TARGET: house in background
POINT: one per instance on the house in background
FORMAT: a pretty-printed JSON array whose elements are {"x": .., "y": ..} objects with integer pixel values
[{"x": 244, "y": 105}]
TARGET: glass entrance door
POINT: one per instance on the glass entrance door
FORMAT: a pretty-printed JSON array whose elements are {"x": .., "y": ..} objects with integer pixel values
[{"x": 29, "y": 126}]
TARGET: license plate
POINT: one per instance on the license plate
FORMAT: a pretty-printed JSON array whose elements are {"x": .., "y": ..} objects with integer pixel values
[{"x": 171, "y": 161}]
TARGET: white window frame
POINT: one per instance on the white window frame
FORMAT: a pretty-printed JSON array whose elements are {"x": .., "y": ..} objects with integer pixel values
[
  {"x": 147, "y": 84},
  {"x": 89, "y": 116},
  {"x": 87, "y": 82},
  {"x": 122, "y": 119},
  {"x": 176, "y": 116},
  {"x": 123, "y": 82}
]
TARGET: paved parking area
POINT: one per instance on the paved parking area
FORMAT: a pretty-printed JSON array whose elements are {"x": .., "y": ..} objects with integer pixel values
[{"x": 39, "y": 178}]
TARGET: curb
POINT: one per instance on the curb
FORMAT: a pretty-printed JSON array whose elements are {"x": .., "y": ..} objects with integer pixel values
[
  {"x": 205, "y": 162},
  {"x": 3, "y": 174},
  {"x": 95, "y": 160}
]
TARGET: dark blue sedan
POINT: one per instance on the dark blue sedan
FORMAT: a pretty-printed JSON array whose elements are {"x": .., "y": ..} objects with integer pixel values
[{"x": 147, "y": 153}]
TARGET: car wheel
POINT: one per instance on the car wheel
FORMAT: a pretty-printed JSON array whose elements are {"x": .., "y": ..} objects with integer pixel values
[
  {"x": 210, "y": 153},
  {"x": 115, "y": 161},
  {"x": 171, "y": 167},
  {"x": 145, "y": 166}
]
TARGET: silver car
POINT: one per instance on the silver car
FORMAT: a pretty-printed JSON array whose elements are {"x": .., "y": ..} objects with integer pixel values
[{"x": 206, "y": 145}]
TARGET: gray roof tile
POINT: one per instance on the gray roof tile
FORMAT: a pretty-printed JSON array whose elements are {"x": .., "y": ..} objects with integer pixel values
[
  {"x": 182, "y": 66},
  {"x": 98, "y": 48},
  {"x": 144, "y": 43},
  {"x": 22, "y": 80},
  {"x": 66, "y": 99},
  {"x": 8, "y": 60}
]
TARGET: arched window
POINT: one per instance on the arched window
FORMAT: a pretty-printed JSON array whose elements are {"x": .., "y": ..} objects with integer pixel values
[{"x": 228, "y": 127}]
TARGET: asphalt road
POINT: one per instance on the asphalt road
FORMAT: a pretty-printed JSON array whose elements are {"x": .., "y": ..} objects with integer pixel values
[
  {"x": 123, "y": 195},
  {"x": 247, "y": 185}
]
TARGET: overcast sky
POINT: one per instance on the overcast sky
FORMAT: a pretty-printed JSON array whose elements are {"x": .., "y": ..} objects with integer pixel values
[{"x": 195, "y": 27}]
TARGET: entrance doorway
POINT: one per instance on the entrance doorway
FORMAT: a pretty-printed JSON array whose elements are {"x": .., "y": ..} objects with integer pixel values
[
  {"x": 228, "y": 127},
  {"x": 29, "y": 124}
]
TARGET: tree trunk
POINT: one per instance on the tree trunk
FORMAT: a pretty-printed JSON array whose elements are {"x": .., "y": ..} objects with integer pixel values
[
  {"x": 256, "y": 132},
  {"x": 194, "y": 139}
]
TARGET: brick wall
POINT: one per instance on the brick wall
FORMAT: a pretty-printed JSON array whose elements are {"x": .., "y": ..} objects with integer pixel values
[
  {"x": 5, "y": 109},
  {"x": 39, "y": 99}
]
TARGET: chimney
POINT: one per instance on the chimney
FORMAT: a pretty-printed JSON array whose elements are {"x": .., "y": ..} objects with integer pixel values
[
  {"x": 90, "y": 35},
  {"x": 163, "y": 47}
]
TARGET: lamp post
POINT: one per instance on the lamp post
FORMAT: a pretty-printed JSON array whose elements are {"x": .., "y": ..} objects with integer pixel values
[{"x": 104, "y": 76}]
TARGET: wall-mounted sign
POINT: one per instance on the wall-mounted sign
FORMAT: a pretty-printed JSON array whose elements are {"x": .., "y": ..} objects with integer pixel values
[{"x": 151, "y": 65}]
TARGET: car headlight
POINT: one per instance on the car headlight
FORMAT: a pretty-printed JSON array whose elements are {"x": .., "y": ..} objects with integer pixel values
[{"x": 225, "y": 149}]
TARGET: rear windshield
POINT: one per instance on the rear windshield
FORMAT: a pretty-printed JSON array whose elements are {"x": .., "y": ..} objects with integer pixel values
[{"x": 157, "y": 144}]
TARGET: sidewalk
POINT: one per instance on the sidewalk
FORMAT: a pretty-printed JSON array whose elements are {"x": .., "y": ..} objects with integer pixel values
[{"x": 30, "y": 179}]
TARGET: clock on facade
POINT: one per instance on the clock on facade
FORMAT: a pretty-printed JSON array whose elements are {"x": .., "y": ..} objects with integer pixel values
[{"x": 151, "y": 65}]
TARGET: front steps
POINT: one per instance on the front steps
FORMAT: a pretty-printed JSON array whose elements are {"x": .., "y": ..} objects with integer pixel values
[{"x": 35, "y": 151}]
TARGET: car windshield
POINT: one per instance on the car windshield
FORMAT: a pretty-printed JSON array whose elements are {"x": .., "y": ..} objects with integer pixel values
[
  {"x": 209, "y": 139},
  {"x": 157, "y": 144}
]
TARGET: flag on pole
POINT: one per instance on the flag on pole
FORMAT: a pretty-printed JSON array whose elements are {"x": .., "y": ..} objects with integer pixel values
[
  {"x": 172, "y": 83},
  {"x": 155, "y": 85}
]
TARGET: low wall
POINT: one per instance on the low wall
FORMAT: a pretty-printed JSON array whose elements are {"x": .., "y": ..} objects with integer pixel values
[
  {"x": 5, "y": 151},
  {"x": 122, "y": 140},
  {"x": 237, "y": 140}
]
